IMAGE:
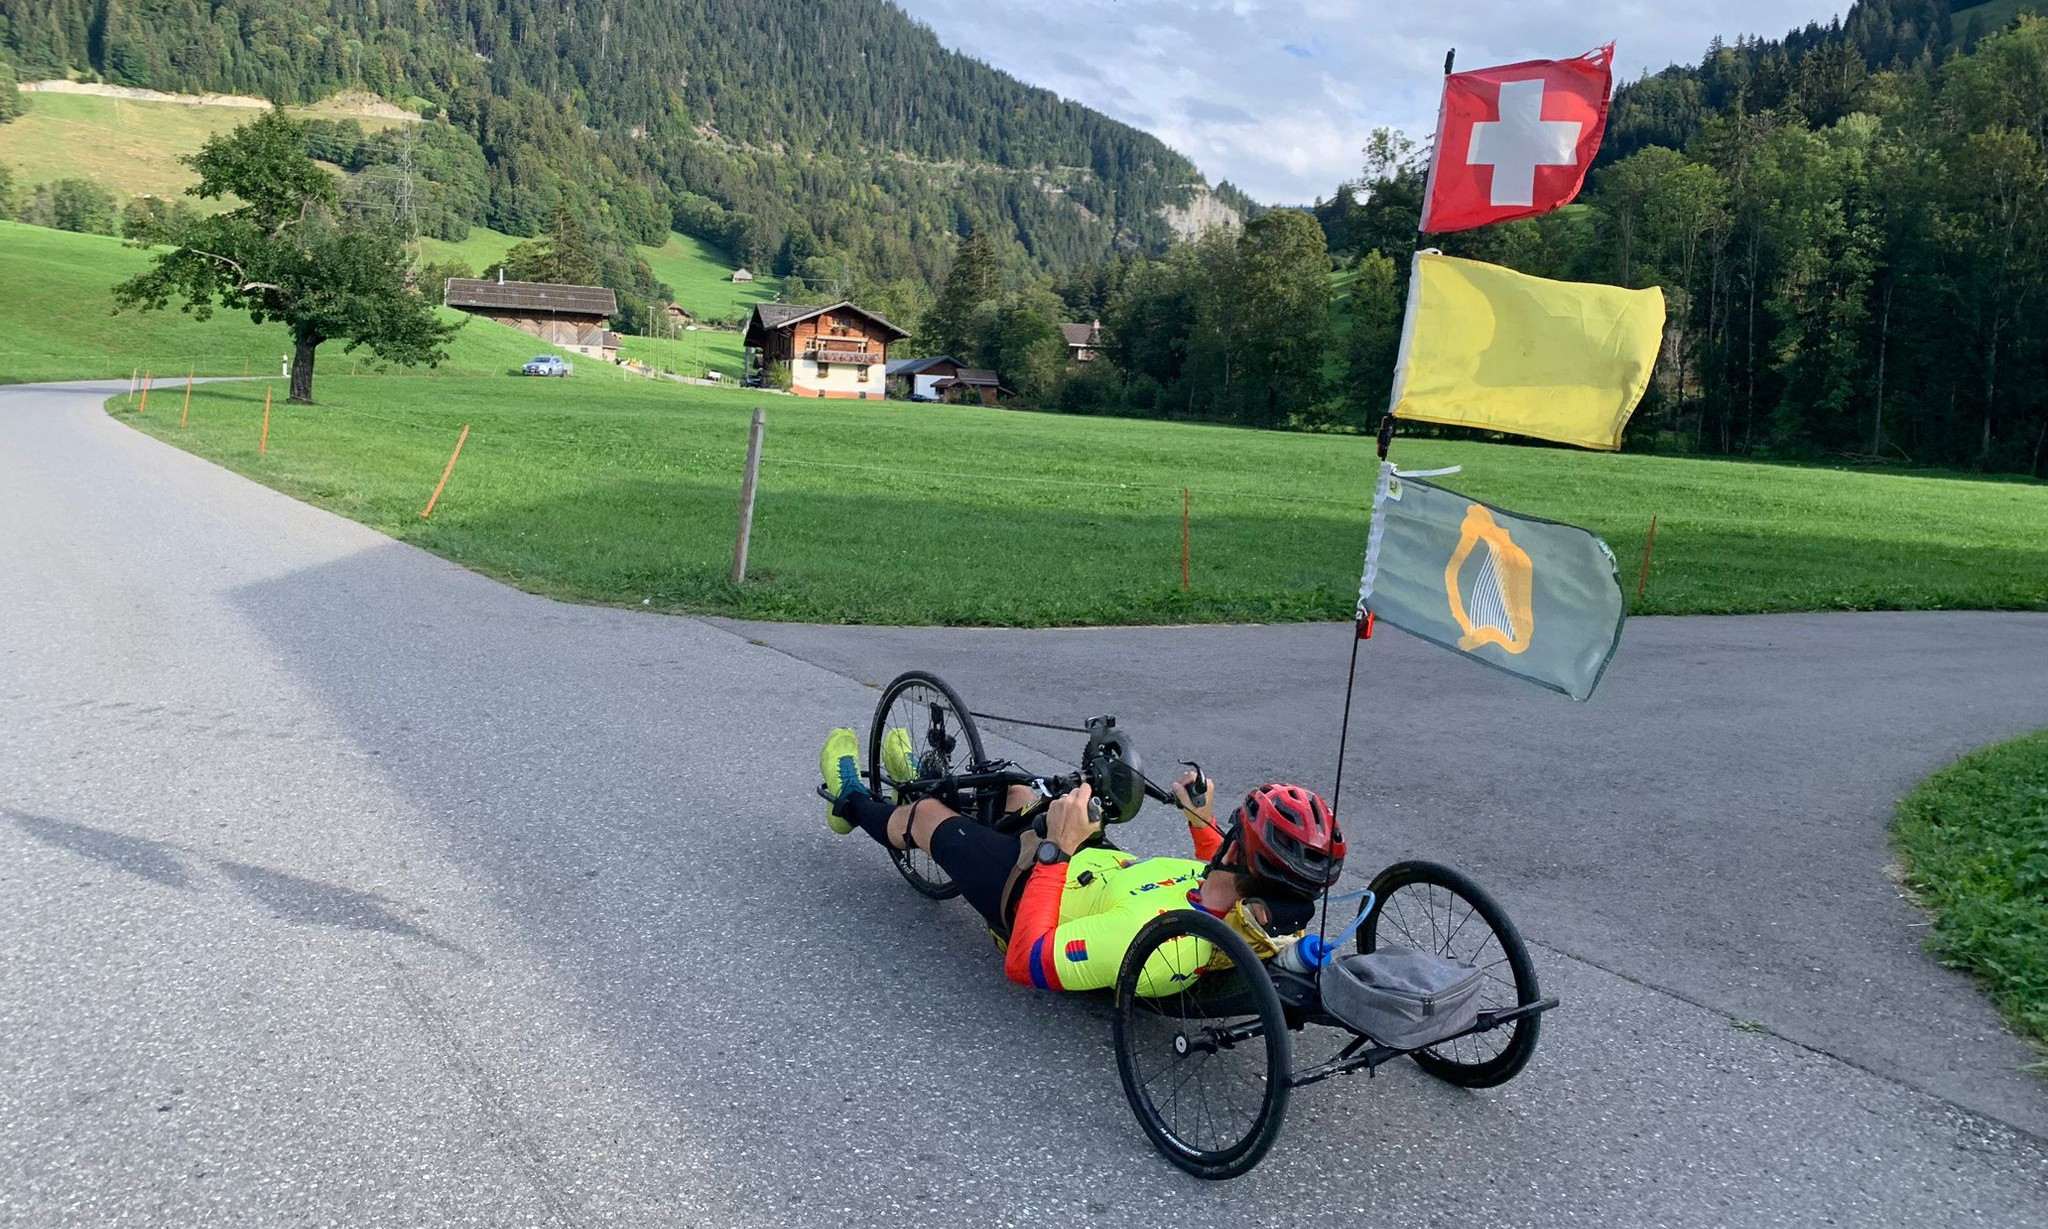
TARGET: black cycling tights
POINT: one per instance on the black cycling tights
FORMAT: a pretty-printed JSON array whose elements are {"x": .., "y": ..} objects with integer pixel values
[{"x": 976, "y": 859}]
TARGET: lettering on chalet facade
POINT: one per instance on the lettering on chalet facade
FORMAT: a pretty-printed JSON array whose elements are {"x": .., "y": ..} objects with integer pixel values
[
  {"x": 563, "y": 317},
  {"x": 835, "y": 351}
]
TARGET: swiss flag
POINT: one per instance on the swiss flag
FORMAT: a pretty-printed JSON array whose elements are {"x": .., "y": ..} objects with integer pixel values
[{"x": 1516, "y": 141}]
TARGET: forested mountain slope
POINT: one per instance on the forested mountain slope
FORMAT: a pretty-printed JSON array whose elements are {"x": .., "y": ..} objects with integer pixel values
[
  {"x": 777, "y": 128},
  {"x": 1820, "y": 71}
]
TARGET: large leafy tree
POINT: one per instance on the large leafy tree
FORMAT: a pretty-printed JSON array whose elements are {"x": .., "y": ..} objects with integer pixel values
[{"x": 285, "y": 254}]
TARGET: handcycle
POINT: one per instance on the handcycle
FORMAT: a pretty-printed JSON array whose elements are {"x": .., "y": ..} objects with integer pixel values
[{"x": 1209, "y": 1071}]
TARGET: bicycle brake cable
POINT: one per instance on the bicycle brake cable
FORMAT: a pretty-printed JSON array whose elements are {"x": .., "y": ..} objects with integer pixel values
[{"x": 1036, "y": 725}]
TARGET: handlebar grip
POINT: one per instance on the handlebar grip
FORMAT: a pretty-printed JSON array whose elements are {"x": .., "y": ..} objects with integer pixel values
[{"x": 1198, "y": 793}]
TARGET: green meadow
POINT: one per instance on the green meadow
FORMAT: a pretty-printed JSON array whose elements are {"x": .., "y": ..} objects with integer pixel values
[
  {"x": 615, "y": 488},
  {"x": 615, "y": 491},
  {"x": 61, "y": 323}
]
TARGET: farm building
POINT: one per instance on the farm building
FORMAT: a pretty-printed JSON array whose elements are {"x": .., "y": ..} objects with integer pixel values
[
  {"x": 741, "y": 275},
  {"x": 916, "y": 378},
  {"x": 1083, "y": 340},
  {"x": 972, "y": 386},
  {"x": 835, "y": 351},
  {"x": 563, "y": 317}
]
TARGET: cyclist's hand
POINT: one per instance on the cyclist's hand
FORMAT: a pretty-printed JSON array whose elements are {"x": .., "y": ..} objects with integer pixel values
[
  {"x": 1204, "y": 814},
  {"x": 1067, "y": 823}
]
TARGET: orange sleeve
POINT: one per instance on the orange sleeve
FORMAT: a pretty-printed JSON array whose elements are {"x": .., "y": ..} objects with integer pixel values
[
  {"x": 1028, "y": 962},
  {"x": 1208, "y": 841}
]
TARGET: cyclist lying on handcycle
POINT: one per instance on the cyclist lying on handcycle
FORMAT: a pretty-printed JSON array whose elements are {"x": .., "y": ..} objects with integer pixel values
[{"x": 1070, "y": 911}]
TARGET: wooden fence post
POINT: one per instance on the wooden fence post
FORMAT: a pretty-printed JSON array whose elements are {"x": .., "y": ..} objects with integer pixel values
[
  {"x": 1184, "y": 506},
  {"x": 263, "y": 441},
  {"x": 1643, "y": 573},
  {"x": 436, "y": 496},
  {"x": 747, "y": 486}
]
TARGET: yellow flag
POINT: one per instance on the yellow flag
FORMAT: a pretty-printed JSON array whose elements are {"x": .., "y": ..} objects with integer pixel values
[{"x": 1491, "y": 348}]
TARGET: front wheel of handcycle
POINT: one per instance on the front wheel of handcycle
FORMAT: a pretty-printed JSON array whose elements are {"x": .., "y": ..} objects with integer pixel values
[
  {"x": 943, "y": 741},
  {"x": 1431, "y": 908},
  {"x": 1204, "y": 1056}
]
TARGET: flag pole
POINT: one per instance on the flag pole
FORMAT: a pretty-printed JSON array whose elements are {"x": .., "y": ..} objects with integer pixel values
[
  {"x": 1361, "y": 629},
  {"x": 1362, "y": 626}
]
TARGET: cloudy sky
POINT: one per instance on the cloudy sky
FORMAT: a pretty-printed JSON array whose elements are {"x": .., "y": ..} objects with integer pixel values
[{"x": 1277, "y": 96}]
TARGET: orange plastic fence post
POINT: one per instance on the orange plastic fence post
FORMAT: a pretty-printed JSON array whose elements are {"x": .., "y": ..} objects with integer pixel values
[
  {"x": 436, "y": 496},
  {"x": 1643, "y": 573},
  {"x": 186, "y": 414},
  {"x": 263, "y": 442},
  {"x": 1184, "y": 504},
  {"x": 144, "y": 407}
]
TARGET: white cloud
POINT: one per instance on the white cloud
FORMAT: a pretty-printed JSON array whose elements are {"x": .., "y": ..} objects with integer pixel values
[{"x": 1278, "y": 96}]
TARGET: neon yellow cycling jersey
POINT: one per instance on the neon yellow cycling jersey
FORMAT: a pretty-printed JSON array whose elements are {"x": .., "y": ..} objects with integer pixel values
[{"x": 1073, "y": 928}]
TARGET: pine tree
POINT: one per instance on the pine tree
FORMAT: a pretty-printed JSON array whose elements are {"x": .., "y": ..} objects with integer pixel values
[{"x": 976, "y": 279}]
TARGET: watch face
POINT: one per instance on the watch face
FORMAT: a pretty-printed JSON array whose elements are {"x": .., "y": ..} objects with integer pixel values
[{"x": 1049, "y": 852}]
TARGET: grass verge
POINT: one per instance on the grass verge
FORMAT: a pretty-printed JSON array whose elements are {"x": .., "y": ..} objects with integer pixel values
[
  {"x": 624, "y": 491},
  {"x": 1974, "y": 838}
]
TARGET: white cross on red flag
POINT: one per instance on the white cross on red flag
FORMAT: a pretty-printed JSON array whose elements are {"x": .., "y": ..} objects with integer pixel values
[{"x": 1516, "y": 141}]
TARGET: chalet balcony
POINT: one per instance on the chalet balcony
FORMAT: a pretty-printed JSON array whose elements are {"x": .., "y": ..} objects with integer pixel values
[{"x": 827, "y": 353}]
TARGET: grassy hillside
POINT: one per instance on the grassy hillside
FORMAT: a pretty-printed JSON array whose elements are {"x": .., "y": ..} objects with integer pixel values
[
  {"x": 130, "y": 147},
  {"x": 701, "y": 277},
  {"x": 60, "y": 323},
  {"x": 482, "y": 248},
  {"x": 624, "y": 492}
]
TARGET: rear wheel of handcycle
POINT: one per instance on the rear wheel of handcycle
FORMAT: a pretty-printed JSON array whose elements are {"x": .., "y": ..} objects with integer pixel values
[
  {"x": 1431, "y": 908},
  {"x": 1207, "y": 1069},
  {"x": 943, "y": 741}
]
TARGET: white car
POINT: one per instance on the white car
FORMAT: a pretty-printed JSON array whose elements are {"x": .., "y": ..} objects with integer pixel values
[{"x": 546, "y": 365}]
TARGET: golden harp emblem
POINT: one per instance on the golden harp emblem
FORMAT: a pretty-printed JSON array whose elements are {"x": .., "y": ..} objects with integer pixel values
[{"x": 1501, "y": 608}]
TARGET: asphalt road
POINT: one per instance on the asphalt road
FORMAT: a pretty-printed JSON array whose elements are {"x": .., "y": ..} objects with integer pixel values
[{"x": 340, "y": 886}]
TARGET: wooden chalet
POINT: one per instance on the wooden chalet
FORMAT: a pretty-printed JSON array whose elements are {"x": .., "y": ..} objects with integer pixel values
[
  {"x": 570, "y": 318},
  {"x": 1083, "y": 340},
  {"x": 835, "y": 351}
]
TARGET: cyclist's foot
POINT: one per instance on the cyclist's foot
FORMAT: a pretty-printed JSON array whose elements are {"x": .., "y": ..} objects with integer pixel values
[
  {"x": 840, "y": 764},
  {"x": 899, "y": 758}
]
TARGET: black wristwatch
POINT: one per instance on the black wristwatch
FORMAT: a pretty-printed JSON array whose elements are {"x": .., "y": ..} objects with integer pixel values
[{"x": 1050, "y": 853}]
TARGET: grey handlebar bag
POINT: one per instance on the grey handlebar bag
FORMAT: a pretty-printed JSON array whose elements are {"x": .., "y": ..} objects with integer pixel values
[{"x": 1402, "y": 998}]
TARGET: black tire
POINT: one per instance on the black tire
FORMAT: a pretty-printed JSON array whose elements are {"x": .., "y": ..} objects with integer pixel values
[
  {"x": 1234, "y": 1090},
  {"x": 924, "y": 704},
  {"x": 1432, "y": 908}
]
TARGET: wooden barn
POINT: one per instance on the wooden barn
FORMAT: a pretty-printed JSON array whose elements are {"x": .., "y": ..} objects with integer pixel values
[
  {"x": 973, "y": 386},
  {"x": 836, "y": 351},
  {"x": 571, "y": 318}
]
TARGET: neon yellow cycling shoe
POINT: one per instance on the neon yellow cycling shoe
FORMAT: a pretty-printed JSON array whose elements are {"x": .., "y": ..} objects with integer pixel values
[
  {"x": 839, "y": 762},
  {"x": 899, "y": 758}
]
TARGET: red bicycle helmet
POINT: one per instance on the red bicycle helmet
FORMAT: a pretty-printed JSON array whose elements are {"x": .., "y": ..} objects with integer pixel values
[{"x": 1288, "y": 835}]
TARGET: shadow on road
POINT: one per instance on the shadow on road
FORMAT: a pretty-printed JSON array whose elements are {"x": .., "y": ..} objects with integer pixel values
[
  {"x": 152, "y": 860},
  {"x": 289, "y": 898}
]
